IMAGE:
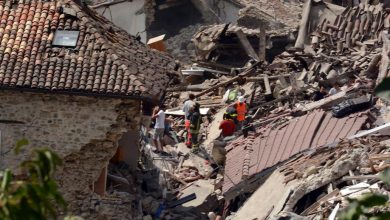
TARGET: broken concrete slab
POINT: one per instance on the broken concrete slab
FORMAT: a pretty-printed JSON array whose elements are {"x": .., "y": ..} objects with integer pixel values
[
  {"x": 328, "y": 101},
  {"x": 272, "y": 194}
]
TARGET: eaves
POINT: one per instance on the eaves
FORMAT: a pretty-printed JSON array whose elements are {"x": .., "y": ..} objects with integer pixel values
[{"x": 145, "y": 98}]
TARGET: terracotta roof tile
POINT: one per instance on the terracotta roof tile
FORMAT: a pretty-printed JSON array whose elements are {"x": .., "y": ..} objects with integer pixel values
[
  {"x": 270, "y": 146},
  {"x": 105, "y": 61}
]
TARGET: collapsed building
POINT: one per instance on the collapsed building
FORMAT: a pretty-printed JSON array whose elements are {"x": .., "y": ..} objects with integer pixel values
[
  {"x": 351, "y": 45},
  {"x": 84, "y": 100},
  {"x": 74, "y": 83},
  {"x": 179, "y": 20},
  {"x": 296, "y": 150}
]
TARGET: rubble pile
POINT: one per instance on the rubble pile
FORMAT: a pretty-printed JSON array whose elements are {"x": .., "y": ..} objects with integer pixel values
[
  {"x": 346, "y": 171},
  {"x": 349, "y": 46},
  {"x": 279, "y": 17},
  {"x": 179, "y": 46},
  {"x": 219, "y": 45},
  {"x": 285, "y": 132},
  {"x": 344, "y": 52},
  {"x": 294, "y": 122}
]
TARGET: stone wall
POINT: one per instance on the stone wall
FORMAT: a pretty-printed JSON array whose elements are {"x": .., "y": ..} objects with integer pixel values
[{"x": 84, "y": 131}]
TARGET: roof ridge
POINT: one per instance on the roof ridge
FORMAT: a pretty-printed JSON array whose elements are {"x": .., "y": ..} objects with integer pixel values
[{"x": 249, "y": 140}]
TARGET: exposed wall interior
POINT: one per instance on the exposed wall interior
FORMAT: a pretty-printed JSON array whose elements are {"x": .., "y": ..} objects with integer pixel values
[
  {"x": 169, "y": 20},
  {"x": 84, "y": 131},
  {"x": 128, "y": 15}
]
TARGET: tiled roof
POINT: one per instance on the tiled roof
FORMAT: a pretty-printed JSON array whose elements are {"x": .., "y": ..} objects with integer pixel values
[
  {"x": 268, "y": 147},
  {"x": 106, "y": 61}
]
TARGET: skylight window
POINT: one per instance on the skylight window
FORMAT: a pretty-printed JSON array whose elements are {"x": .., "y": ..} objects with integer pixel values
[{"x": 65, "y": 38}]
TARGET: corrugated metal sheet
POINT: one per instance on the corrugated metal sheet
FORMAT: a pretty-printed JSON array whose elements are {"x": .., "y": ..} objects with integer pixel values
[{"x": 270, "y": 146}]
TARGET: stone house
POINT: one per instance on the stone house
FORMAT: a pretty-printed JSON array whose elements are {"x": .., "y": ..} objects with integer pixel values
[{"x": 73, "y": 82}]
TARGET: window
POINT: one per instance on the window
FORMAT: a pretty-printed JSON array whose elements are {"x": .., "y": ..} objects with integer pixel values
[{"x": 65, "y": 38}]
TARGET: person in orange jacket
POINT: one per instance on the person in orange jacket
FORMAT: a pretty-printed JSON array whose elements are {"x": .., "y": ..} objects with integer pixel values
[{"x": 241, "y": 108}]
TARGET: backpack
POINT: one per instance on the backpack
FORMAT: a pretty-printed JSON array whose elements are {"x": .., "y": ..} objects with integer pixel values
[{"x": 232, "y": 95}]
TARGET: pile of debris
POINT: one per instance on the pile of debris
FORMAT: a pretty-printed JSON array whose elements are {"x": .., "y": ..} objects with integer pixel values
[
  {"x": 181, "y": 184},
  {"x": 226, "y": 46},
  {"x": 292, "y": 132},
  {"x": 279, "y": 17},
  {"x": 316, "y": 184},
  {"x": 179, "y": 47},
  {"x": 351, "y": 49},
  {"x": 330, "y": 176}
]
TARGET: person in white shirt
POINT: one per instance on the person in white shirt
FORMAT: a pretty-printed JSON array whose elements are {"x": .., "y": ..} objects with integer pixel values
[
  {"x": 335, "y": 89},
  {"x": 186, "y": 109},
  {"x": 187, "y": 105},
  {"x": 159, "y": 127}
]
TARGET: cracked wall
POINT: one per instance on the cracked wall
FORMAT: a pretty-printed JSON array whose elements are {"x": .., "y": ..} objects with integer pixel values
[{"x": 84, "y": 131}]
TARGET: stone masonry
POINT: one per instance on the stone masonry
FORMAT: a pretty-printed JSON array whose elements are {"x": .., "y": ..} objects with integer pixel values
[{"x": 84, "y": 131}]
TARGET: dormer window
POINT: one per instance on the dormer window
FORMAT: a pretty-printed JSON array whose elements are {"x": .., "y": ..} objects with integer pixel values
[{"x": 64, "y": 38}]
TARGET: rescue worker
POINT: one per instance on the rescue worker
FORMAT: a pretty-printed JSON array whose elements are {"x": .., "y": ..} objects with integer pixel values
[
  {"x": 231, "y": 112},
  {"x": 227, "y": 126},
  {"x": 196, "y": 120},
  {"x": 241, "y": 109}
]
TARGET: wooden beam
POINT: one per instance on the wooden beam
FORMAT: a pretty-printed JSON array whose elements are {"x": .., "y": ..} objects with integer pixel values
[
  {"x": 262, "y": 44},
  {"x": 366, "y": 177},
  {"x": 379, "y": 157},
  {"x": 383, "y": 167},
  {"x": 302, "y": 33},
  {"x": 334, "y": 212},
  {"x": 317, "y": 204},
  {"x": 248, "y": 71},
  {"x": 354, "y": 182},
  {"x": 268, "y": 90},
  {"x": 261, "y": 77},
  {"x": 323, "y": 102},
  {"x": 371, "y": 131},
  {"x": 106, "y": 4},
  {"x": 196, "y": 88},
  {"x": 247, "y": 45}
]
